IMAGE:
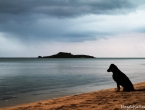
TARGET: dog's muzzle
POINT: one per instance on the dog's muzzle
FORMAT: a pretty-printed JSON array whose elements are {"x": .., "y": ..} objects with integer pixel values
[{"x": 108, "y": 70}]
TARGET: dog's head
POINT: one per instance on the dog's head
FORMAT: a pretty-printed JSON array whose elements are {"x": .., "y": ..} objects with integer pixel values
[{"x": 112, "y": 68}]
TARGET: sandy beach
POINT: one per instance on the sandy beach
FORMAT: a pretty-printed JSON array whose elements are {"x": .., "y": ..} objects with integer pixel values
[{"x": 99, "y": 100}]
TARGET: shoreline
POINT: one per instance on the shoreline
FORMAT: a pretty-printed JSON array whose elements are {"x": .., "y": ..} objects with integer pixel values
[{"x": 97, "y": 100}]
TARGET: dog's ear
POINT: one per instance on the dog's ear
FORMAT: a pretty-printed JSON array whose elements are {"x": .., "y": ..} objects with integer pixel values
[{"x": 113, "y": 67}]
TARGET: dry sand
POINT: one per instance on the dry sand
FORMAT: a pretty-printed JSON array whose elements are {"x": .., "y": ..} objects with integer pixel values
[{"x": 99, "y": 100}]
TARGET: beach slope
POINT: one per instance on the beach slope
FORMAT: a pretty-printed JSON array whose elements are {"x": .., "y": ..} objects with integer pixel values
[{"x": 99, "y": 100}]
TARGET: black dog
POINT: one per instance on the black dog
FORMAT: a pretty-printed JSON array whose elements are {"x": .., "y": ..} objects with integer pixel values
[{"x": 121, "y": 79}]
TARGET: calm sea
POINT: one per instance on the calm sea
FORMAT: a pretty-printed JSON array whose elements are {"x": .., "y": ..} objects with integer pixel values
[{"x": 24, "y": 80}]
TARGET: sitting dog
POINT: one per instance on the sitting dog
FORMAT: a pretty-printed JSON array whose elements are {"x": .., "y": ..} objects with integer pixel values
[{"x": 121, "y": 79}]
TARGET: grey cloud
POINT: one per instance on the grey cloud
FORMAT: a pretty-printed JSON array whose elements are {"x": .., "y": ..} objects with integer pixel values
[
  {"x": 49, "y": 29},
  {"x": 64, "y": 8},
  {"x": 88, "y": 35},
  {"x": 20, "y": 18}
]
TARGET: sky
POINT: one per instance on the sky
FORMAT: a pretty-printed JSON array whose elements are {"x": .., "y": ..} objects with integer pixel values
[{"x": 100, "y": 28}]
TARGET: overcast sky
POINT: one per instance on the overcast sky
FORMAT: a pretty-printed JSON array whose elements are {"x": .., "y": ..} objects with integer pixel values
[{"x": 101, "y": 28}]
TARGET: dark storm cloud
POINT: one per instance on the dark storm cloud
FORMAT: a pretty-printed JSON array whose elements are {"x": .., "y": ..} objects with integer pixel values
[
  {"x": 63, "y": 8},
  {"x": 25, "y": 19}
]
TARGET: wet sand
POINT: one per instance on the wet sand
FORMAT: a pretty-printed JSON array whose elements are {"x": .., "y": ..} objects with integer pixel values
[{"x": 99, "y": 100}]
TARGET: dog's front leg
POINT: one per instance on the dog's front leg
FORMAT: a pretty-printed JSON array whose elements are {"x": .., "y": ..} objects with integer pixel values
[{"x": 118, "y": 88}]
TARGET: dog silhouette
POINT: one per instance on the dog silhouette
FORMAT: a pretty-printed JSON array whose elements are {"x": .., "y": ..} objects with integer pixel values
[{"x": 121, "y": 79}]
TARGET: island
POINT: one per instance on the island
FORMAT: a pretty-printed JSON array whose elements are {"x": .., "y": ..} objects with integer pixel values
[{"x": 66, "y": 55}]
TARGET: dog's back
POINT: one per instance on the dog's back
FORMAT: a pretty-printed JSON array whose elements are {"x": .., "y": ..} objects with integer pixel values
[{"x": 124, "y": 81}]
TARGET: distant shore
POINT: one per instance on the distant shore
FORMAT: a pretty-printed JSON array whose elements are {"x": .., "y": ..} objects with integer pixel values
[
  {"x": 106, "y": 99},
  {"x": 66, "y": 55}
]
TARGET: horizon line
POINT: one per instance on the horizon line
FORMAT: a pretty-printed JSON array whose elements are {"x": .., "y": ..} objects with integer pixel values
[{"x": 91, "y": 58}]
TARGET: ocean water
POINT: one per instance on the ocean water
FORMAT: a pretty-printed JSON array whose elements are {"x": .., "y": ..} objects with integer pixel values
[{"x": 24, "y": 80}]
